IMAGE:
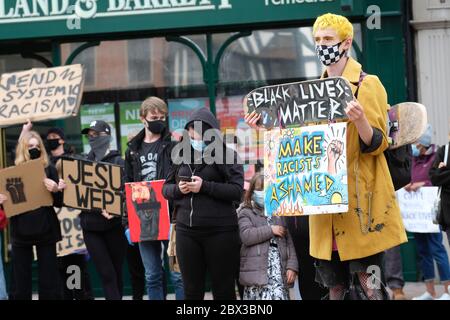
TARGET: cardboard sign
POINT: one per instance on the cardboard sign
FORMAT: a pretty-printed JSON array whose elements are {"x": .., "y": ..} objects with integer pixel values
[
  {"x": 299, "y": 103},
  {"x": 24, "y": 187},
  {"x": 40, "y": 94},
  {"x": 416, "y": 208},
  {"x": 148, "y": 211},
  {"x": 305, "y": 170},
  {"x": 72, "y": 234},
  {"x": 92, "y": 185}
]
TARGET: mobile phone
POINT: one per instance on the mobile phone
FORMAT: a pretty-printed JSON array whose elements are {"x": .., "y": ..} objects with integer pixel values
[{"x": 185, "y": 178}]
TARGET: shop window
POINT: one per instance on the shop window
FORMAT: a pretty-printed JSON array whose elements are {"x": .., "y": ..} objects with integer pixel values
[{"x": 139, "y": 55}]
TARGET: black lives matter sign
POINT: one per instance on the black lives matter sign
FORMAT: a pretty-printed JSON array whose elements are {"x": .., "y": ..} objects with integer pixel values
[
  {"x": 299, "y": 103},
  {"x": 40, "y": 94},
  {"x": 92, "y": 185}
]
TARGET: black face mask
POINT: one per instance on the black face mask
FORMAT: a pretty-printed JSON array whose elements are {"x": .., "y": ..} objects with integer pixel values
[
  {"x": 156, "y": 127},
  {"x": 35, "y": 153},
  {"x": 53, "y": 144},
  {"x": 99, "y": 146}
]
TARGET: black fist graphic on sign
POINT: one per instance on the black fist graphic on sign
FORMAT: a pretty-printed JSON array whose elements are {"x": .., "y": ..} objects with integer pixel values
[{"x": 15, "y": 188}]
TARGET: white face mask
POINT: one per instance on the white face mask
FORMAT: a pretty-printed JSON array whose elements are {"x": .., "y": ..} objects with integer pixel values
[{"x": 258, "y": 198}]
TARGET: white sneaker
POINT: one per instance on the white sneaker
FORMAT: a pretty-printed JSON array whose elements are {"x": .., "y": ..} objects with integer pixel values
[
  {"x": 425, "y": 296},
  {"x": 445, "y": 296}
]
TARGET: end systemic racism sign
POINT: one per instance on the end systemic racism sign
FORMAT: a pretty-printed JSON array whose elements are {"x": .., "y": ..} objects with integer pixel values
[
  {"x": 40, "y": 94},
  {"x": 72, "y": 234},
  {"x": 92, "y": 185},
  {"x": 300, "y": 103},
  {"x": 305, "y": 171}
]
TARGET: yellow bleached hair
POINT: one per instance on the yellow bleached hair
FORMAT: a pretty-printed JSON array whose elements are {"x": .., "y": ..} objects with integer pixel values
[{"x": 340, "y": 24}]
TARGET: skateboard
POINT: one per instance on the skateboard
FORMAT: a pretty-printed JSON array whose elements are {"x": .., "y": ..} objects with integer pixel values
[
  {"x": 407, "y": 123},
  {"x": 299, "y": 103}
]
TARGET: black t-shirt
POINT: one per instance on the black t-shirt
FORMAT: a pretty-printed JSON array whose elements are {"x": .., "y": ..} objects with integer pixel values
[{"x": 148, "y": 159}]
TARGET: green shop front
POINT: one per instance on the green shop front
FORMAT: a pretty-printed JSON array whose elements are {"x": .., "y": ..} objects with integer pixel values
[{"x": 192, "y": 53}]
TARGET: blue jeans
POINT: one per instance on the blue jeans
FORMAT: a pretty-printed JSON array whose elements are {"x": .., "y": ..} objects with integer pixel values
[
  {"x": 430, "y": 247},
  {"x": 153, "y": 261},
  {"x": 3, "y": 294}
]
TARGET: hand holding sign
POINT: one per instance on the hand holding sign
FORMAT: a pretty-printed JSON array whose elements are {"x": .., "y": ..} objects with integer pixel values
[
  {"x": 3, "y": 198},
  {"x": 355, "y": 111},
  {"x": 252, "y": 119},
  {"x": 106, "y": 214},
  {"x": 26, "y": 127},
  {"x": 62, "y": 185},
  {"x": 51, "y": 185}
]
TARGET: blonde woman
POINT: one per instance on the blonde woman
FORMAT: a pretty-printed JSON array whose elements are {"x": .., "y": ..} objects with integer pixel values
[{"x": 39, "y": 227}]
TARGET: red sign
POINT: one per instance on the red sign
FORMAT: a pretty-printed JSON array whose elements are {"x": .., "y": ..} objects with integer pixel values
[{"x": 148, "y": 211}]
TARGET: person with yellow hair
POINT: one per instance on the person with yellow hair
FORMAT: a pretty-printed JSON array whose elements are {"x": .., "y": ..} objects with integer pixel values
[{"x": 349, "y": 247}]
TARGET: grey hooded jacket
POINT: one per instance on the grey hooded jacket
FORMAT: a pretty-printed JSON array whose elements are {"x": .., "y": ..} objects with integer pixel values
[{"x": 255, "y": 235}]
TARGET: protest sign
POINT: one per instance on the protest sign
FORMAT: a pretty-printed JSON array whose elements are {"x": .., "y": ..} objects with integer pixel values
[
  {"x": 92, "y": 185},
  {"x": 305, "y": 170},
  {"x": 40, "y": 94},
  {"x": 148, "y": 211},
  {"x": 24, "y": 187},
  {"x": 300, "y": 103},
  {"x": 416, "y": 208},
  {"x": 72, "y": 234}
]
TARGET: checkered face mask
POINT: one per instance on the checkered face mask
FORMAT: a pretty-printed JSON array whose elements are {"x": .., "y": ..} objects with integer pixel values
[{"x": 329, "y": 55}]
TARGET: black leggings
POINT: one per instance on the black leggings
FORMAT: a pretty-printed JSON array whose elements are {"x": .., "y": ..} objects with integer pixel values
[
  {"x": 22, "y": 260},
  {"x": 215, "y": 252},
  {"x": 79, "y": 260},
  {"x": 108, "y": 250},
  {"x": 137, "y": 271}
]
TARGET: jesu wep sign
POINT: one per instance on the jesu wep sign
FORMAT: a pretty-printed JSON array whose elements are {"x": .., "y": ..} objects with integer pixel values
[
  {"x": 92, "y": 185},
  {"x": 40, "y": 94}
]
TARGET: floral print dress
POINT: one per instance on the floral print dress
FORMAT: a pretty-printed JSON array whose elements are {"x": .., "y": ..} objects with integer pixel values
[{"x": 274, "y": 289}]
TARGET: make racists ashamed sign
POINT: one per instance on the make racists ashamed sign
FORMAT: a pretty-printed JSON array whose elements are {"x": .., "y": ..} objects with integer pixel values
[
  {"x": 300, "y": 103},
  {"x": 92, "y": 185},
  {"x": 305, "y": 170},
  {"x": 40, "y": 94}
]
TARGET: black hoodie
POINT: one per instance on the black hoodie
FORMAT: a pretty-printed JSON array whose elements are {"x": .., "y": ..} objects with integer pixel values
[
  {"x": 93, "y": 220},
  {"x": 222, "y": 185},
  {"x": 40, "y": 226}
]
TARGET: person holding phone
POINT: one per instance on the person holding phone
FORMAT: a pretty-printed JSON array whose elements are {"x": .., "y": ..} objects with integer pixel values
[{"x": 204, "y": 183}]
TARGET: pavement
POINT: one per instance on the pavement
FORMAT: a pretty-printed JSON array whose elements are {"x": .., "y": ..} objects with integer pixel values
[{"x": 411, "y": 289}]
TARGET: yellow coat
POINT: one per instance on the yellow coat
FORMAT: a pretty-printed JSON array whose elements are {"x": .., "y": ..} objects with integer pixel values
[{"x": 375, "y": 187}]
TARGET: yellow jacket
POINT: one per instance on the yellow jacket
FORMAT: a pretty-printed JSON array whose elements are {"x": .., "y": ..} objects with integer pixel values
[{"x": 375, "y": 189}]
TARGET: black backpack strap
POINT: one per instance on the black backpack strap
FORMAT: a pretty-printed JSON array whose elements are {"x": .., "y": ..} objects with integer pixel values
[{"x": 362, "y": 76}]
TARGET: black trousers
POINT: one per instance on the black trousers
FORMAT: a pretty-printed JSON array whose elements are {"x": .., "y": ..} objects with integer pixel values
[
  {"x": 48, "y": 283},
  {"x": 108, "y": 250},
  {"x": 137, "y": 271},
  {"x": 85, "y": 291},
  {"x": 215, "y": 252},
  {"x": 299, "y": 229}
]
